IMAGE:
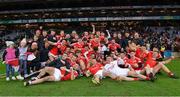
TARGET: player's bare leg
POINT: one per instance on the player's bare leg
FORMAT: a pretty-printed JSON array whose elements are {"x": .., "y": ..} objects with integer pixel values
[
  {"x": 88, "y": 73},
  {"x": 109, "y": 74},
  {"x": 98, "y": 76},
  {"x": 124, "y": 78},
  {"x": 41, "y": 80},
  {"x": 96, "y": 79},
  {"x": 119, "y": 78},
  {"x": 134, "y": 74},
  {"x": 82, "y": 65},
  {"x": 157, "y": 68},
  {"x": 148, "y": 70},
  {"x": 170, "y": 74},
  {"x": 168, "y": 60},
  {"x": 165, "y": 69},
  {"x": 72, "y": 73},
  {"x": 49, "y": 70}
]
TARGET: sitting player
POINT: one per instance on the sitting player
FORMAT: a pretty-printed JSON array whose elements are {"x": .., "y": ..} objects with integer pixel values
[{"x": 154, "y": 59}]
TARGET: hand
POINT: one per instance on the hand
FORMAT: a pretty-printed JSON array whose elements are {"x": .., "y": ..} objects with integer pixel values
[
  {"x": 93, "y": 25},
  {"x": 107, "y": 30}
]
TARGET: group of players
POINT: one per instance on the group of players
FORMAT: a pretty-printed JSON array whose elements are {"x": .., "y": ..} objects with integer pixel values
[{"x": 99, "y": 55}]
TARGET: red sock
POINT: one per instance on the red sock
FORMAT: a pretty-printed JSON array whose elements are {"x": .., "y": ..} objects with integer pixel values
[
  {"x": 147, "y": 78},
  {"x": 136, "y": 79}
]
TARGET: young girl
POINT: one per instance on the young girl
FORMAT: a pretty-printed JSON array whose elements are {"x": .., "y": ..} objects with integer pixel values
[
  {"x": 9, "y": 54},
  {"x": 22, "y": 58}
]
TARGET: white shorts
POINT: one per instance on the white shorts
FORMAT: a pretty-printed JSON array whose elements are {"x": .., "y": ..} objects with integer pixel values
[
  {"x": 57, "y": 74},
  {"x": 122, "y": 72},
  {"x": 99, "y": 73}
]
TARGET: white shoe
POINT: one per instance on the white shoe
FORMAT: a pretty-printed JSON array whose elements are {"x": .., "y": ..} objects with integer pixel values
[
  {"x": 34, "y": 78},
  {"x": 19, "y": 77},
  {"x": 7, "y": 79},
  {"x": 13, "y": 78}
]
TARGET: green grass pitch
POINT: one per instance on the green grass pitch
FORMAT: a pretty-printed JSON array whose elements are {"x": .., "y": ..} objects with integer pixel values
[{"x": 163, "y": 86}]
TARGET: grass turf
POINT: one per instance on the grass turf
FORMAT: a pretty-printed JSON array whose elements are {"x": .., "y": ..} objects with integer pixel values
[{"x": 163, "y": 86}]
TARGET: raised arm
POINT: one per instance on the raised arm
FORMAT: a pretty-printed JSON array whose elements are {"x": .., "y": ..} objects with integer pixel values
[
  {"x": 109, "y": 36},
  {"x": 94, "y": 29}
]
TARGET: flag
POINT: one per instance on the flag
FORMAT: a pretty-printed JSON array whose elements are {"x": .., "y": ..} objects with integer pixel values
[{"x": 14, "y": 63}]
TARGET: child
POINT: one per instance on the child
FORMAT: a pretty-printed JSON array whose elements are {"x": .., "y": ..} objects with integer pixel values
[
  {"x": 22, "y": 58},
  {"x": 9, "y": 54}
]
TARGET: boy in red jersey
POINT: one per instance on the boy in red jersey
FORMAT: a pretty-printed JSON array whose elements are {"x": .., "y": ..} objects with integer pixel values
[
  {"x": 78, "y": 45},
  {"x": 94, "y": 68},
  {"x": 113, "y": 46},
  {"x": 138, "y": 66},
  {"x": 94, "y": 43},
  {"x": 142, "y": 53},
  {"x": 81, "y": 60},
  {"x": 58, "y": 48}
]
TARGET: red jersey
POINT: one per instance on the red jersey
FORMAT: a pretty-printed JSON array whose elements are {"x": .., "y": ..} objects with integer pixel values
[
  {"x": 101, "y": 38},
  {"x": 90, "y": 53},
  {"x": 62, "y": 48},
  {"x": 140, "y": 54},
  {"x": 94, "y": 43},
  {"x": 77, "y": 45},
  {"x": 54, "y": 50},
  {"x": 151, "y": 60},
  {"x": 83, "y": 51},
  {"x": 134, "y": 61},
  {"x": 67, "y": 75},
  {"x": 95, "y": 68},
  {"x": 125, "y": 59},
  {"x": 113, "y": 47},
  {"x": 150, "y": 56}
]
